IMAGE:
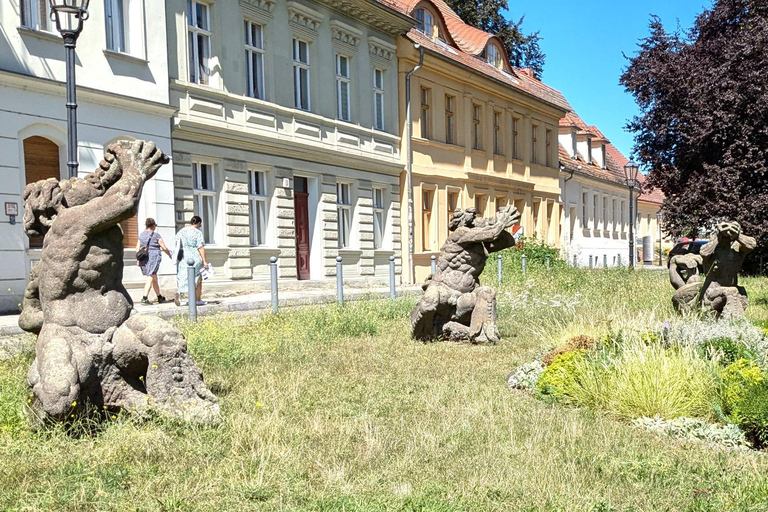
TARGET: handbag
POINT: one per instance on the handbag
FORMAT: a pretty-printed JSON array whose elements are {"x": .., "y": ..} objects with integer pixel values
[
  {"x": 179, "y": 249},
  {"x": 142, "y": 255}
]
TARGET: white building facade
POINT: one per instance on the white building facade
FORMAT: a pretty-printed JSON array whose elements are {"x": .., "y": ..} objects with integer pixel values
[
  {"x": 286, "y": 138},
  {"x": 122, "y": 72}
]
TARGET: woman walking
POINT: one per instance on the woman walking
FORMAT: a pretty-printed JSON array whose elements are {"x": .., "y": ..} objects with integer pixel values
[
  {"x": 148, "y": 257},
  {"x": 190, "y": 241}
]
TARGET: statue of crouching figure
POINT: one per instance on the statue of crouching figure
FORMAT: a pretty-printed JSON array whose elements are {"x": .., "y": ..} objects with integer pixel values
[
  {"x": 722, "y": 258},
  {"x": 454, "y": 306},
  {"x": 92, "y": 350}
]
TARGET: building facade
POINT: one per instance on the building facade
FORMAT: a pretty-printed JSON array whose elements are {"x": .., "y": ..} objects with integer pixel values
[
  {"x": 122, "y": 93},
  {"x": 286, "y": 138},
  {"x": 484, "y": 135}
]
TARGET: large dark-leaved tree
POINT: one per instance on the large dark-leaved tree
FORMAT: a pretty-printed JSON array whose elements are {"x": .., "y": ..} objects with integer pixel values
[
  {"x": 703, "y": 127},
  {"x": 524, "y": 50}
]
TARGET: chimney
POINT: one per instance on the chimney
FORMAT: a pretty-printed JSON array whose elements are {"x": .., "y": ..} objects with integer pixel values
[{"x": 527, "y": 72}]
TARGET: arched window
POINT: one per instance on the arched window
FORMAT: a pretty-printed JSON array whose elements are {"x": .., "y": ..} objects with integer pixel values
[
  {"x": 41, "y": 161},
  {"x": 493, "y": 55},
  {"x": 425, "y": 22}
]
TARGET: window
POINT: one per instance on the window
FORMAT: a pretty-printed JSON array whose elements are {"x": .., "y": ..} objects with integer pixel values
[
  {"x": 301, "y": 74},
  {"x": 344, "y": 211},
  {"x": 493, "y": 56},
  {"x": 623, "y": 218},
  {"x": 199, "y": 30},
  {"x": 427, "y": 197},
  {"x": 501, "y": 202},
  {"x": 425, "y": 127},
  {"x": 254, "y": 60},
  {"x": 605, "y": 212},
  {"x": 497, "y": 149},
  {"x": 204, "y": 195},
  {"x": 425, "y": 23},
  {"x": 476, "y": 135},
  {"x": 124, "y": 24},
  {"x": 452, "y": 203},
  {"x": 548, "y": 141},
  {"x": 36, "y": 14},
  {"x": 594, "y": 211},
  {"x": 257, "y": 199},
  {"x": 534, "y": 134},
  {"x": 378, "y": 218},
  {"x": 584, "y": 216},
  {"x": 515, "y": 127},
  {"x": 450, "y": 129},
  {"x": 481, "y": 200},
  {"x": 614, "y": 213},
  {"x": 342, "y": 88},
  {"x": 378, "y": 99}
]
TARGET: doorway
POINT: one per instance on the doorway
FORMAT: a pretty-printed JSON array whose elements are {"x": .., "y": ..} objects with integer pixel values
[{"x": 301, "y": 214}]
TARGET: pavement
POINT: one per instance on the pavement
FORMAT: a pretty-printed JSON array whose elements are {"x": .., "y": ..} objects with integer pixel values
[{"x": 224, "y": 302}]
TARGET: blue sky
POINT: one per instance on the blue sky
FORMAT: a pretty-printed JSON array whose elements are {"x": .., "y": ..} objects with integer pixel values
[{"x": 584, "y": 41}]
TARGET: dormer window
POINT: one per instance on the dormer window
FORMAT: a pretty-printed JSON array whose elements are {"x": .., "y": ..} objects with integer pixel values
[
  {"x": 425, "y": 22},
  {"x": 493, "y": 55},
  {"x": 589, "y": 151}
]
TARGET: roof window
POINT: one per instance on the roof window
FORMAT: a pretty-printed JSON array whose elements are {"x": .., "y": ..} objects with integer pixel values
[{"x": 425, "y": 22}]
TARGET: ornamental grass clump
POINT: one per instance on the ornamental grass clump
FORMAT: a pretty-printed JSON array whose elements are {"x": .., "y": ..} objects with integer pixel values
[{"x": 648, "y": 380}]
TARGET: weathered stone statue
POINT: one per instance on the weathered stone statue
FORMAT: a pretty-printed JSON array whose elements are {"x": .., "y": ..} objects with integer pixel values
[
  {"x": 721, "y": 258},
  {"x": 454, "y": 305},
  {"x": 91, "y": 352}
]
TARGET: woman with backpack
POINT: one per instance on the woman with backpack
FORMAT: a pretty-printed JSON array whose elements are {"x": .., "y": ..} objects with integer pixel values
[{"x": 148, "y": 257}]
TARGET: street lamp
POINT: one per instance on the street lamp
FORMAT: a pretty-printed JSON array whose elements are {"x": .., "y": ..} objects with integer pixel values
[
  {"x": 630, "y": 173},
  {"x": 658, "y": 223},
  {"x": 69, "y": 16}
]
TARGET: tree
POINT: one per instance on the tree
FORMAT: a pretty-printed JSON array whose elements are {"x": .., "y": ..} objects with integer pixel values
[
  {"x": 524, "y": 50},
  {"x": 703, "y": 127}
]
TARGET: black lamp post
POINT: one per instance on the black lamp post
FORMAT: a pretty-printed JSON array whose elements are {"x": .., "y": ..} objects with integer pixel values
[
  {"x": 658, "y": 223},
  {"x": 630, "y": 173},
  {"x": 69, "y": 16}
]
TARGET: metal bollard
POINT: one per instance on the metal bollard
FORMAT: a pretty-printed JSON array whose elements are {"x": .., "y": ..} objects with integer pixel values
[
  {"x": 498, "y": 267},
  {"x": 523, "y": 262},
  {"x": 273, "y": 281},
  {"x": 619, "y": 259},
  {"x": 546, "y": 261},
  {"x": 605, "y": 261},
  {"x": 339, "y": 281},
  {"x": 191, "y": 297},
  {"x": 590, "y": 261},
  {"x": 392, "y": 291},
  {"x": 575, "y": 261},
  {"x": 433, "y": 263}
]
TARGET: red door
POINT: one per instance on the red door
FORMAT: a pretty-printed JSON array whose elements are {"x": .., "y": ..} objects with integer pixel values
[{"x": 301, "y": 211}]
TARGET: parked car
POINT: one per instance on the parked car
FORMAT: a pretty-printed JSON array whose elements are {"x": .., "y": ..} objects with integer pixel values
[{"x": 691, "y": 246}]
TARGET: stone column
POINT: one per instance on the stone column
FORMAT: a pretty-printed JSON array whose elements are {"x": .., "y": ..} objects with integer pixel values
[{"x": 328, "y": 215}]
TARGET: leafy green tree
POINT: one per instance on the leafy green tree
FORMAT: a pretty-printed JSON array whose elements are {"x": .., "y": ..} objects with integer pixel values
[
  {"x": 704, "y": 112},
  {"x": 524, "y": 50}
]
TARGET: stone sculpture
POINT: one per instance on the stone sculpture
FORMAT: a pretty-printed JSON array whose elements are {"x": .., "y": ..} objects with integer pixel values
[
  {"x": 454, "y": 305},
  {"x": 91, "y": 352},
  {"x": 721, "y": 258}
]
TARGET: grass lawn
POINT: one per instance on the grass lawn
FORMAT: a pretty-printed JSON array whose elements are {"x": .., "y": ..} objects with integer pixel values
[{"x": 333, "y": 408}]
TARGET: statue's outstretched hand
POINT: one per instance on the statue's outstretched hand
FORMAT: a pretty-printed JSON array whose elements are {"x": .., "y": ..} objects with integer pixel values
[
  {"x": 508, "y": 215},
  {"x": 137, "y": 157}
]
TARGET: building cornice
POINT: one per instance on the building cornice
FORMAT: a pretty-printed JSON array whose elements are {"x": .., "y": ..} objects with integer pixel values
[
  {"x": 373, "y": 14},
  {"x": 84, "y": 94}
]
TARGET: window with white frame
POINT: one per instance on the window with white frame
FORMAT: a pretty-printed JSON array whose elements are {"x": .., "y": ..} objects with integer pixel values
[
  {"x": 605, "y": 212},
  {"x": 425, "y": 23},
  {"x": 548, "y": 145},
  {"x": 623, "y": 217},
  {"x": 301, "y": 74},
  {"x": 342, "y": 88},
  {"x": 428, "y": 242},
  {"x": 379, "y": 218},
  {"x": 36, "y": 14},
  {"x": 534, "y": 143},
  {"x": 344, "y": 213},
  {"x": 494, "y": 55},
  {"x": 595, "y": 220},
  {"x": 452, "y": 203},
  {"x": 476, "y": 133},
  {"x": 378, "y": 99},
  {"x": 584, "y": 214},
  {"x": 481, "y": 201},
  {"x": 199, "y": 34},
  {"x": 257, "y": 200},
  {"x": 125, "y": 26},
  {"x": 254, "y": 60},
  {"x": 450, "y": 127},
  {"x": 614, "y": 212},
  {"x": 497, "y": 149},
  {"x": 204, "y": 195}
]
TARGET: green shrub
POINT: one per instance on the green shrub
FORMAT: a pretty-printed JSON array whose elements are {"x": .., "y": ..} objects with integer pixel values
[
  {"x": 648, "y": 380},
  {"x": 557, "y": 380},
  {"x": 753, "y": 414},
  {"x": 737, "y": 378},
  {"x": 726, "y": 349}
]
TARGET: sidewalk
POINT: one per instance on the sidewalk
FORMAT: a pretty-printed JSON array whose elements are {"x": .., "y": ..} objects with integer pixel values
[{"x": 255, "y": 302}]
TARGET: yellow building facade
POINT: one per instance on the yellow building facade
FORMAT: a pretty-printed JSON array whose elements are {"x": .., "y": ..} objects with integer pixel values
[{"x": 483, "y": 135}]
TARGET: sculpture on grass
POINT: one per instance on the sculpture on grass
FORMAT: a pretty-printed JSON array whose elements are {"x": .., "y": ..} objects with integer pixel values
[
  {"x": 454, "y": 305},
  {"x": 92, "y": 350},
  {"x": 721, "y": 258}
]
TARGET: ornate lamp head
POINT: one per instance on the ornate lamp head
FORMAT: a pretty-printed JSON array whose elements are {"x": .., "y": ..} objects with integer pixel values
[
  {"x": 630, "y": 173},
  {"x": 69, "y": 16}
]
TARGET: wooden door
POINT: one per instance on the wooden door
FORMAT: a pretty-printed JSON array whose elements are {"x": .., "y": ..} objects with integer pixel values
[
  {"x": 41, "y": 161},
  {"x": 301, "y": 212}
]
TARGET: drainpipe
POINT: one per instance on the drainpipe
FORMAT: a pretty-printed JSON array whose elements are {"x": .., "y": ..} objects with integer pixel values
[
  {"x": 565, "y": 203},
  {"x": 409, "y": 161}
]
